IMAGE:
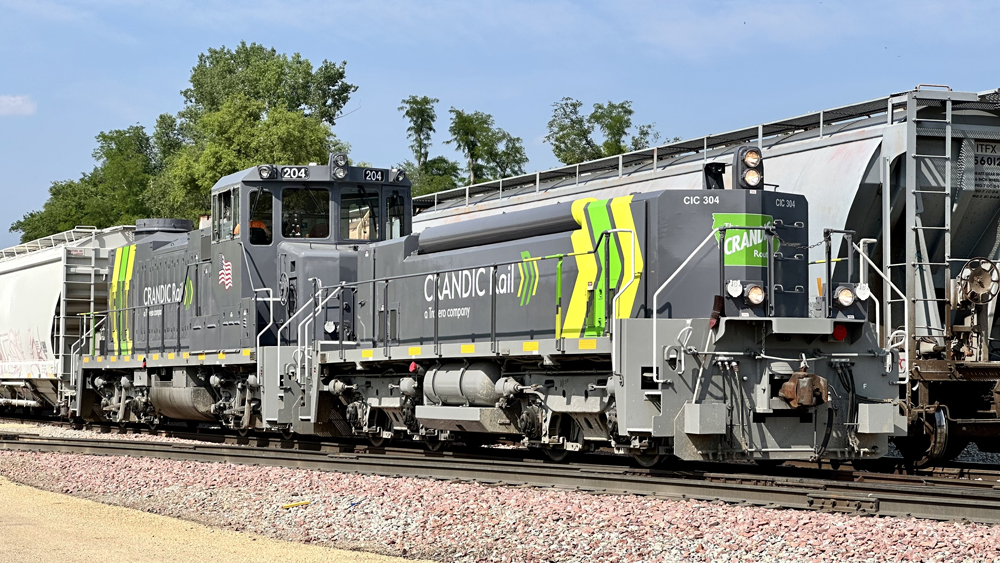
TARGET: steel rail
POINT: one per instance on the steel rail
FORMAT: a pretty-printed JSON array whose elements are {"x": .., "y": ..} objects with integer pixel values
[{"x": 887, "y": 495}]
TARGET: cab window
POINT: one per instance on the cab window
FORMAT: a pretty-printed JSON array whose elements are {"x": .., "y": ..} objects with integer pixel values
[
  {"x": 305, "y": 213},
  {"x": 359, "y": 214},
  {"x": 395, "y": 210},
  {"x": 225, "y": 214},
  {"x": 261, "y": 217}
]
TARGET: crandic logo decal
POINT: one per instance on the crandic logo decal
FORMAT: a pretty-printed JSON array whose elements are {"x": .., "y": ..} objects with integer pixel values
[{"x": 743, "y": 247}]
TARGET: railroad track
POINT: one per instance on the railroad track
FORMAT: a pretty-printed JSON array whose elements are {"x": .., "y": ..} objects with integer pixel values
[{"x": 866, "y": 493}]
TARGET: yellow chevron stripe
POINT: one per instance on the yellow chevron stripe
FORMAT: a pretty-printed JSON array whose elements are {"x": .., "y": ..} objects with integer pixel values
[
  {"x": 534, "y": 285},
  {"x": 112, "y": 294},
  {"x": 128, "y": 317},
  {"x": 621, "y": 209},
  {"x": 586, "y": 271}
]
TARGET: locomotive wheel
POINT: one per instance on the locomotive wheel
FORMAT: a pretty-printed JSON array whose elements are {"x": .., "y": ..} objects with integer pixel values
[
  {"x": 243, "y": 432},
  {"x": 434, "y": 445},
  {"x": 648, "y": 461},
  {"x": 287, "y": 433},
  {"x": 378, "y": 440},
  {"x": 558, "y": 456}
]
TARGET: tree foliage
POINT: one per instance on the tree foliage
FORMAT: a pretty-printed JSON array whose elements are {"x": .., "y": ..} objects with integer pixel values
[
  {"x": 244, "y": 106},
  {"x": 419, "y": 111},
  {"x": 571, "y": 133},
  {"x": 111, "y": 194},
  {"x": 436, "y": 175},
  {"x": 235, "y": 137},
  {"x": 427, "y": 175},
  {"x": 279, "y": 81},
  {"x": 490, "y": 152}
]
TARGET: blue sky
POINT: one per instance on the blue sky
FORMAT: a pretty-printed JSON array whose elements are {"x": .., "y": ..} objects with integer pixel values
[{"x": 69, "y": 70}]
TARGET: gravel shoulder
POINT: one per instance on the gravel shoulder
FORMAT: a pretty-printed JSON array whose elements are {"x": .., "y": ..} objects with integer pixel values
[
  {"x": 469, "y": 522},
  {"x": 38, "y": 525}
]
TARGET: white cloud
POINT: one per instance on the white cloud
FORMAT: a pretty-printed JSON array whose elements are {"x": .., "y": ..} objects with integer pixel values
[{"x": 17, "y": 105}]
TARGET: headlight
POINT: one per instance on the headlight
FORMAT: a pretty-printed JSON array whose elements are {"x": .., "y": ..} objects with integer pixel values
[
  {"x": 845, "y": 296},
  {"x": 751, "y": 177},
  {"x": 340, "y": 173},
  {"x": 400, "y": 176},
  {"x": 752, "y": 158},
  {"x": 755, "y": 294},
  {"x": 266, "y": 172},
  {"x": 339, "y": 160}
]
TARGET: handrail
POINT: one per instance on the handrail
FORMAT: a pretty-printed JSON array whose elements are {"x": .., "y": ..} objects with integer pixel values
[
  {"x": 577, "y": 173},
  {"x": 437, "y": 273},
  {"x": 906, "y": 316},
  {"x": 769, "y": 233},
  {"x": 277, "y": 357},
  {"x": 656, "y": 296},
  {"x": 618, "y": 294},
  {"x": 270, "y": 308}
]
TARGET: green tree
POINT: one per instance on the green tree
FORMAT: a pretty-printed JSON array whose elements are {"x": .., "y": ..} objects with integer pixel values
[
  {"x": 419, "y": 111},
  {"x": 490, "y": 152},
  {"x": 571, "y": 134},
  {"x": 427, "y": 174},
  {"x": 237, "y": 136},
  {"x": 258, "y": 73},
  {"x": 111, "y": 194},
  {"x": 244, "y": 106},
  {"x": 436, "y": 175}
]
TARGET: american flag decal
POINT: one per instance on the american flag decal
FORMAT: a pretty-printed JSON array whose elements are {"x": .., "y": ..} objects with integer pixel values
[{"x": 225, "y": 272}]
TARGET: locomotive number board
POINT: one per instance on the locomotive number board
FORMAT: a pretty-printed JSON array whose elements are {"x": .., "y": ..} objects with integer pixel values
[
  {"x": 374, "y": 175},
  {"x": 294, "y": 172}
]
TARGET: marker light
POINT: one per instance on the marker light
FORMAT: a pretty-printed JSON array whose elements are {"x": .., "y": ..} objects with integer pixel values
[
  {"x": 863, "y": 291},
  {"x": 845, "y": 296},
  {"x": 734, "y": 288},
  {"x": 266, "y": 172},
  {"x": 839, "y": 332},
  {"x": 340, "y": 173},
  {"x": 755, "y": 294}
]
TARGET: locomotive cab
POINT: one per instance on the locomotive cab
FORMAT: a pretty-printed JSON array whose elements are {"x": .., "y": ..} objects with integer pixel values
[{"x": 298, "y": 227}]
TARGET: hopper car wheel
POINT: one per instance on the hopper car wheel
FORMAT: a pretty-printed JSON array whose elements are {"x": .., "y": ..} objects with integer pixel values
[
  {"x": 929, "y": 442},
  {"x": 154, "y": 423}
]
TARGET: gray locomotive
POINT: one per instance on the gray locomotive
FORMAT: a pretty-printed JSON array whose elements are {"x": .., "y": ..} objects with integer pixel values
[{"x": 672, "y": 322}]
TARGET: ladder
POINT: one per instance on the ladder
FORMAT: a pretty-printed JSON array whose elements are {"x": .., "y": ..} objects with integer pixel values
[{"x": 928, "y": 196}]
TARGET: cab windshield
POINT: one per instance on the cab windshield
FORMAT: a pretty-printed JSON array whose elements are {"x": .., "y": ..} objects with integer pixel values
[{"x": 305, "y": 213}]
